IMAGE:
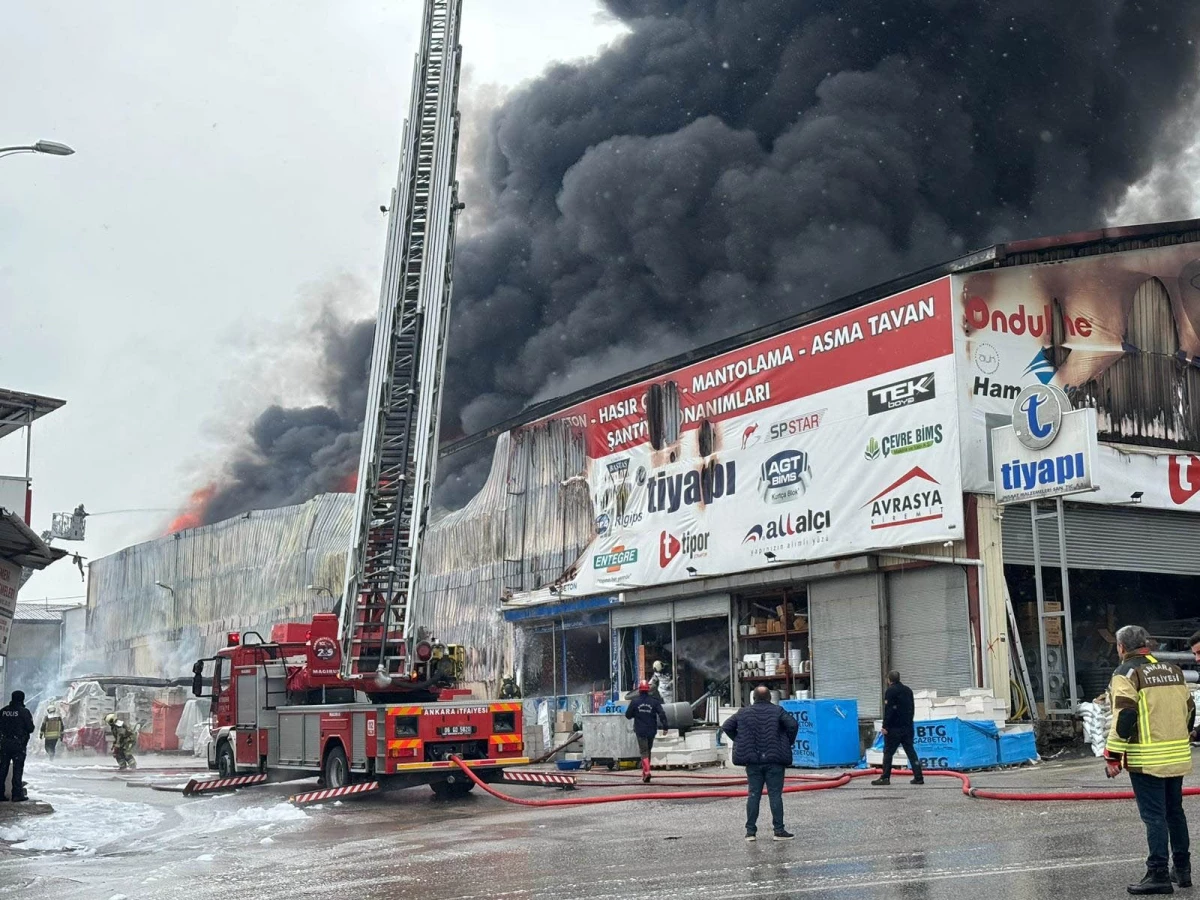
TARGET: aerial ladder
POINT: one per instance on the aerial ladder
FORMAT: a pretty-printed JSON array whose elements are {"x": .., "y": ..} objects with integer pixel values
[{"x": 400, "y": 433}]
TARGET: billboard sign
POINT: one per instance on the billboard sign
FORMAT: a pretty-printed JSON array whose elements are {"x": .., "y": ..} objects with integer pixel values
[
  {"x": 762, "y": 455},
  {"x": 1071, "y": 325},
  {"x": 10, "y": 582},
  {"x": 1045, "y": 452}
]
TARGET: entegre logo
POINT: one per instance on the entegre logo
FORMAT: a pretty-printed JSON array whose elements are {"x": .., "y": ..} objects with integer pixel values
[{"x": 612, "y": 561}]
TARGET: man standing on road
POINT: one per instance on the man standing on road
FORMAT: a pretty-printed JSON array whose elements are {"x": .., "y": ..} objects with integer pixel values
[
  {"x": 16, "y": 725},
  {"x": 762, "y": 736},
  {"x": 647, "y": 713},
  {"x": 898, "y": 729},
  {"x": 1153, "y": 712}
]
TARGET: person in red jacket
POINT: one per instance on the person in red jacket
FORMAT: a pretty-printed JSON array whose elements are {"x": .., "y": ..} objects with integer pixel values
[{"x": 647, "y": 713}]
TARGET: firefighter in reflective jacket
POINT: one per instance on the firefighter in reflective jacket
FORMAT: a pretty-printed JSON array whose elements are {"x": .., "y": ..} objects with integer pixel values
[
  {"x": 1153, "y": 712},
  {"x": 124, "y": 740}
]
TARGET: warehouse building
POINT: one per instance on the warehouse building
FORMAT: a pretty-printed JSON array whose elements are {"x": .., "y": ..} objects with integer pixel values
[{"x": 815, "y": 497}]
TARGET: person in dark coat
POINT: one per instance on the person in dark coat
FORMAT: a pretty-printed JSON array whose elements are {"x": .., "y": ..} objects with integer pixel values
[
  {"x": 762, "y": 736},
  {"x": 898, "y": 729},
  {"x": 16, "y": 726},
  {"x": 647, "y": 713}
]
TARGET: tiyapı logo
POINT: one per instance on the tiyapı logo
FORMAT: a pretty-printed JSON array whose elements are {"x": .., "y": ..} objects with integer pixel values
[
  {"x": 616, "y": 558},
  {"x": 914, "y": 497},
  {"x": 1025, "y": 476},
  {"x": 1037, "y": 416},
  {"x": 1183, "y": 473},
  {"x": 901, "y": 393},
  {"x": 668, "y": 493},
  {"x": 785, "y": 476},
  {"x": 690, "y": 544}
]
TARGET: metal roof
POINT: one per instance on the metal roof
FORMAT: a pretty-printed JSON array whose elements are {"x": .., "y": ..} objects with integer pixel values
[
  {"x": 18, "y": 409},
  {"x": 21, "y": 545},
  {"x": 1014, "y": 253},
  {"x": 40, "y": 612}
]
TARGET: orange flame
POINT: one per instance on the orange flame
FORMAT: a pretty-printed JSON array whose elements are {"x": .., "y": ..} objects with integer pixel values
[
  {"x": 348, "y": 484},
  {"x": 193, "y": 515}
]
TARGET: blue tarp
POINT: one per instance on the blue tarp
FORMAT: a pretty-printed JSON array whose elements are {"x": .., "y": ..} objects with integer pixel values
[
  {"x": 828, "y": 732},
  {"x": 953, "y": 744}
]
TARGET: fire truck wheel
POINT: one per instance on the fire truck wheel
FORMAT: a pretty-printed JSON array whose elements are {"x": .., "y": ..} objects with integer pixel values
[
  {"x": 226, "y": 767},
  {"x": 337, "y": 770},
  {"x": 450, "y": 790}
]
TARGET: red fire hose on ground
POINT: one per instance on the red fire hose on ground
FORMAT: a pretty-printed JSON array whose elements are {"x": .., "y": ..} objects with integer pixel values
[{"x": 807, "y": 783}]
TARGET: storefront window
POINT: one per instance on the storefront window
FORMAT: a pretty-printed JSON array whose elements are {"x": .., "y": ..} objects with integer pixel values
[
  {"x": 702, "y": 659},
  {"x": 537, "y": 662},
  {"x": 587, "y": 659}
]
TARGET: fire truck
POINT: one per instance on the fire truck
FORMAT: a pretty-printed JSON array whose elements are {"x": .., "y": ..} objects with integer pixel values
[{"x": 361, "y": 692}]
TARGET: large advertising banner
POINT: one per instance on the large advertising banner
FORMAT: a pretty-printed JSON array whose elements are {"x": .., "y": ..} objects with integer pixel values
[
  {"x": 10, "y": 582},
  {"x": 832, "y": 439},
  {"x": 1008, "y": 320}
]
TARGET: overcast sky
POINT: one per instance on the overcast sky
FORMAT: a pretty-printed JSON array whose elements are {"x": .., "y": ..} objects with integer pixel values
[{"x": 231, "y": 160}]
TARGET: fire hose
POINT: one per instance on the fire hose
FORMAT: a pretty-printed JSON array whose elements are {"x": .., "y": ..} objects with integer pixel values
[{"x": 809, "y": 783}]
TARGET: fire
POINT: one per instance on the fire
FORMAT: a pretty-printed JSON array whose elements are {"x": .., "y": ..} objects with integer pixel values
[
  {"x": 193, "y": 515},
  {"x": 348, "y": 484}
]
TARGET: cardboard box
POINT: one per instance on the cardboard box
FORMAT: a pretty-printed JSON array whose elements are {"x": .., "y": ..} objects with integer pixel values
[
  {"x": 564, "y": 721},
  {"x": 1054, "y": 633}
]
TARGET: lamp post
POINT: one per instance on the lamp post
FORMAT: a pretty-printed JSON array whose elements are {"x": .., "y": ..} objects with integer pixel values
[{"x": 50, "y": 148}]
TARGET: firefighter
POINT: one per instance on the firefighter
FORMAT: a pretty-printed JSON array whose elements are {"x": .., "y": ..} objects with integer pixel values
[
  {"x": 16, "y": 727},
  {"x": 661, "y": 683},
  {"x": 646, "y": 710},
  {"x": 1153, "y": 712},
  {"x": 51, "y": 730},
  {"x": 124, "y": 740}
]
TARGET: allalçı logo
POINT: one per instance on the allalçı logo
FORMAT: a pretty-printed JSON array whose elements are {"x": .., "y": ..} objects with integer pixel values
[
  {"x": 615, "y": 559},
  {"x": 796, "y": 529},
  {"x": 669, "y": 493},
  {"x": 690, "y": 544},
  {"x": 914, "y": 497},
  {"x": 785, "y": 476},
  {"x": 901, "y": 393}
]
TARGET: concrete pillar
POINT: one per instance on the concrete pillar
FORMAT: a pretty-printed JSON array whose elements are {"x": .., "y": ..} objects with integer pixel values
[{"x": 991, "y": 554}]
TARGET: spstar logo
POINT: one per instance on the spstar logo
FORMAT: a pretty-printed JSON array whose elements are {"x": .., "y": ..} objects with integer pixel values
[
  {"x": 809, "y": 421},
  {"x": 914, "y": 497}
]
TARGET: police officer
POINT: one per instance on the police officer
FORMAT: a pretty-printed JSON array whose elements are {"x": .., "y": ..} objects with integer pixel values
[
  {"x": 16, "y": 725},
  {"x": 1153, "y": 712},
  {"x": 647, "y": 712},
  {"x": 124, "y": 740}
]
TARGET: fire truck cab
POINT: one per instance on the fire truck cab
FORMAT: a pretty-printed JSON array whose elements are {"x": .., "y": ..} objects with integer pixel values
[{"x": 281, "y": 706}]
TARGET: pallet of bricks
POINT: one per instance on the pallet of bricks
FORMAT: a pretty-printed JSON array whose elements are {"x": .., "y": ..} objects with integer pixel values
[{"x": 84, "y": 708}]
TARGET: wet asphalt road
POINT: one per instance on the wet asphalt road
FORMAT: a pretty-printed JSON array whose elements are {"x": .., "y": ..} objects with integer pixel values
[{"x": 853, "y": 842}]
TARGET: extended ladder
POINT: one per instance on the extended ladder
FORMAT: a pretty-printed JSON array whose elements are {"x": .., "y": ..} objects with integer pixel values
[{"x": 400, "y": 432}]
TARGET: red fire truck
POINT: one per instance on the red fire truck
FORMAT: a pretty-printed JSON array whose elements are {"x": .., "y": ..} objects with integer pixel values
[
  {"x": 359, "y": 693},
  {"x": 281, "y": 706}
]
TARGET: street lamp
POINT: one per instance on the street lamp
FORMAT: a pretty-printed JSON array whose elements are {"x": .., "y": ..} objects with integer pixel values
[{"x": 50, "y": 148}]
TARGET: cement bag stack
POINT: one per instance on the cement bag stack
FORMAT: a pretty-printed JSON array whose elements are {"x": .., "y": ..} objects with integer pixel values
[{"x": 1097, "y": 720}]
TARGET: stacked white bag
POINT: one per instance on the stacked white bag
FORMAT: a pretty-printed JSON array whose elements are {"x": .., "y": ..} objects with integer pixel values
[{"x": 1097, "y": 720}]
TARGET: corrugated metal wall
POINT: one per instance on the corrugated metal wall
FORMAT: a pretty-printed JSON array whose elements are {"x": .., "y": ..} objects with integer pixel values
[{"x": 532, "y": 520}]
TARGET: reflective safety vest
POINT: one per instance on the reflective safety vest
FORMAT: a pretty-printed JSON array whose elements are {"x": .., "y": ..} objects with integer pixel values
[{"x": 1153, "y": 712}]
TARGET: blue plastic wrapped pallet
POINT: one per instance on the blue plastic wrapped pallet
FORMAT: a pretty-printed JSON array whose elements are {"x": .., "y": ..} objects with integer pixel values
[
  {"x": 828, "y": 732},
  {"x": 1017, "y": 747},
  {"x": 952, "y": 744}
]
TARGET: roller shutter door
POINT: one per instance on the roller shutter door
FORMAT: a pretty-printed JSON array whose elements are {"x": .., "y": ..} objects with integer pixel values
[
  {"x": 843, "y": 617},
  {"x": 704, "y": 607},
  {"x": 1104, "y": 537},
  {"x": 647, "y": 614},
  {"x": 930, "y": 628}
]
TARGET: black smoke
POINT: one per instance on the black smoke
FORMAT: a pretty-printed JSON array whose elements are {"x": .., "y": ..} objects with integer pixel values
[{"x": 730, "y": 162}]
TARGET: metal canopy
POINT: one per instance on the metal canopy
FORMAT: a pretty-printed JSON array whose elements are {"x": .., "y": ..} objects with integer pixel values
[
  {"x": 18, "y": 409},
  {"x": 21, "y": 545}
]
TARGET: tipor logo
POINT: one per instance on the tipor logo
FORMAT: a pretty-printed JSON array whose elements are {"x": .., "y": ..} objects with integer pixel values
[
  {"x": 1041, "y": 367},
  {"x": 690, "y": 544},
  {"x": 1037, "y": 416},
  {"x": 785, "y": 476},
  {"x": 616, "y": 558},
  {"x": 914, "y": 497},
  {"x": 1183, "y": 474},
  {"x": 872, "y": 452},
  {"x": 905, "y": 392}
]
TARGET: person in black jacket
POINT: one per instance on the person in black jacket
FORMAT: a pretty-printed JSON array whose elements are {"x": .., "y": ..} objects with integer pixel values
[
  {"x": 647, "y": 713},
  {"x": 762, "y": 736},
  {"x": 898, "y": 729},
  {"x": 16, "y": 725}
]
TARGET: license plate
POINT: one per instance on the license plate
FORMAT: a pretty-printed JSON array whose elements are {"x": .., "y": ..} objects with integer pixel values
[{"x": 456, "y": 730}]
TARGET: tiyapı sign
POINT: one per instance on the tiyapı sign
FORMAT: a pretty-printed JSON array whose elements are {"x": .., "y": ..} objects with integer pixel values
[{"x": 1048, "y": 451}]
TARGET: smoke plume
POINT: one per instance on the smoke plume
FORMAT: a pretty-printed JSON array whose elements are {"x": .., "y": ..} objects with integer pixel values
[{"x": 730, "y": 162}]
